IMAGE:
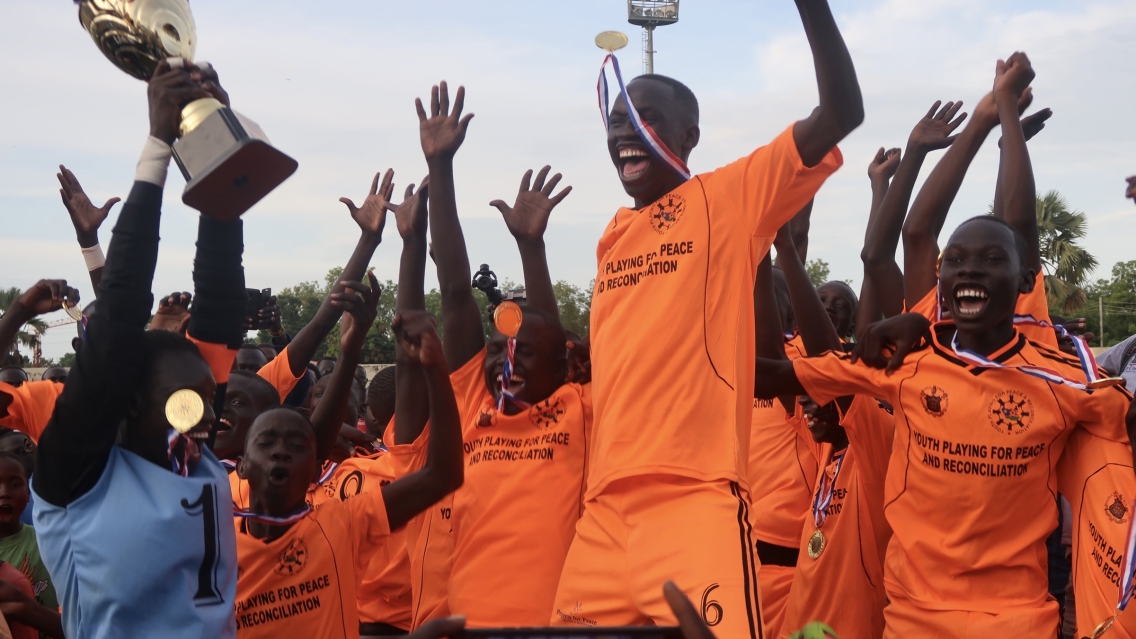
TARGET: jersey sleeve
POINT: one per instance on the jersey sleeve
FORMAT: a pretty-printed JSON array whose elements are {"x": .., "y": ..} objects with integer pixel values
[
  {"x": 834, "y": 375},
  {"x": 870, "y": 429},
  {"x": 278, "y": 372},
  {"x": 1102, "y": 413},
  {"x": 219, "y": 357},
  {"x": 29, "y": 406},
  {"x": 1036, "y": 304},
  {"x": 369, "y": 527},
  {"x": 928, "y": 306},
  {"x": 769, "y": 186},
  {"x": 469, "y": 386},
  {"x": 410, "y": 458}
]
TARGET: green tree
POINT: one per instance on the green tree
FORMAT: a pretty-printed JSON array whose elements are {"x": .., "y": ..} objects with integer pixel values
[
  {"x": 1067, "y": 265},
  {"x": 575, "y": 306},
  {"x": 818, "y": 271},
  {"x": 1118, "y": 296}
]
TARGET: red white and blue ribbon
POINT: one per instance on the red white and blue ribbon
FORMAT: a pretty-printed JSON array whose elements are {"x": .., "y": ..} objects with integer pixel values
[
  {"x": 179, "y": 466},
  {"x": 506, "y": 375},
  {"x": 1084, "y": 353},
  {"x": 269, "y": 520},
  {"x": 646, "y": 133},
  {"x": 825, "y": 489},
  {"x": 327, "y": 473},
  {"x": 229, "y": 464},
  {"x": 1047, "y": 374}
]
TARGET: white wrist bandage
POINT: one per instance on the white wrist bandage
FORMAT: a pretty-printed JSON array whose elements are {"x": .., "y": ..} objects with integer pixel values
[
  {"x": 94, "y": 257},
  {"x": 154, "y": 162}
]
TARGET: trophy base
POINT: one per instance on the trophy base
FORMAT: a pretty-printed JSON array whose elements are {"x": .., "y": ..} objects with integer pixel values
[{"x": 229, "y": 165}]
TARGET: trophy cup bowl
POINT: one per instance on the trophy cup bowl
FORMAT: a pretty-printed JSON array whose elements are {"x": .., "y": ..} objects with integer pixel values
[{"x": 226, "y": 159}]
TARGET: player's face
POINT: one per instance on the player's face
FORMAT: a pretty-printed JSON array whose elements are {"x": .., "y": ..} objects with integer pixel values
[
  {"x": 644, "y": 177},
  {"x": 539, "y": 363},
  {"x": 840, "y": 306},
  {"x": 250, "y": 359},
  {"x": 13, "y": 491},
  {"x": 279, "y": 461},
  {"x": 19, "y": 445},
  {"x": 981, "y": 277},
  {"x": 242, "y": 406},
  {"x": 146, "y": 433},
  {"x": 325, "y": 367}
]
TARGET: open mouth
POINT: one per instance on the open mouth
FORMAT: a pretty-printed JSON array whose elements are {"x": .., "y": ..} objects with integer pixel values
[
  {"x": 633, "y": 162},
  {"x": 970, "y": 300},
  {"x": 516, "y": 383},
  {"x": 224, "y": 424},
  {"x": 278, "y": 475},
  {"x": 7, "y": 511}
]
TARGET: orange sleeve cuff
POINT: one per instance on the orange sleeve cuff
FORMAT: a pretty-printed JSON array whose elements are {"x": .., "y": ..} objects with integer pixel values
[{"x": 219, "y": 357}]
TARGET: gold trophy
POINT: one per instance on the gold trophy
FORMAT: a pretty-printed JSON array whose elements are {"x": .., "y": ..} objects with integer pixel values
[{"x": 226, "y": 159}]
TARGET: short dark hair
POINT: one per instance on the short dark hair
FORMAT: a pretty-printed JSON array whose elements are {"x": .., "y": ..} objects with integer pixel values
[
  {"x": 1020, "y": 244},
  {"x": 281, "y": 407},
  {"x": 263, "y": 386},
  {"x": 683, "y": 95},
  {"x": 22, "y": 462},
  {"x": 162, "y": 342},
  {"x": 381, "y": 393},
  {"x": 13, "y": 367},
  {"x": 851, "y": 291},
  {"x": 250, "y": 347}
]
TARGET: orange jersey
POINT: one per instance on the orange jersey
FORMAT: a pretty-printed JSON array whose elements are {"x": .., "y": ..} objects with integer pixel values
[
  {"x": 219, "y": 357},
  {"x": 304, "y": 584},
  {"x": 672, "y": 317},
  {"x": 1034, "y": 303},
  {"x": 28, "y": 407},
  {"x": 1096, "y": 476},
  {"x": 970, "y": 482},
  {"x": 384, "y": 594},
  {"x": 524, "y": 481},
  {"x": 843, "y": 587},
  {"x": 278, "y": 372},
  {"x": 429, "y": 538}
]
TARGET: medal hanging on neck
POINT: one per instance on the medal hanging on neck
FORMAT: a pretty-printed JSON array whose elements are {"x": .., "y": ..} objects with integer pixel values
[
  {"x": 269, "y": 520},
  {"x": 650, "y": 139},
  {"x": 184, "y": 410},
  {"x": 507, "y": 317},
  {"x": 822, "y": 500}
]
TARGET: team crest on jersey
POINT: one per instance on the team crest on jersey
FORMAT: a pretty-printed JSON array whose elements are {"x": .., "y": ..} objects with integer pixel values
[
  {"x": 666, "y": 212},
  {"x": 487, "y": 418},
  {"x": 935, "y": 400},
  {"x": 292, "y": 558},
  {"x": 1011, "y": 413},
  {"x": 1116, "y": 507},
  {"x": 547, "y": 414},
  {"x": 352, "y": 485}
]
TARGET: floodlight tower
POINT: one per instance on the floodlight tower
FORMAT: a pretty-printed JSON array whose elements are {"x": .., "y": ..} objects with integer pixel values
[{"x": 650, "y": 14}]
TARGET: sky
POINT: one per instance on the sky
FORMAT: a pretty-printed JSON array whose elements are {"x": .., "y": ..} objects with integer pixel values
[{"x": 333, "y": 85}]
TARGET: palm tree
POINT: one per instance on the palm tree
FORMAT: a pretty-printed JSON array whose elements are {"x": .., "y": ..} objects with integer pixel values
[
  {"x": 1067, "y": 265},
  {"x": 32, "y": 333}
]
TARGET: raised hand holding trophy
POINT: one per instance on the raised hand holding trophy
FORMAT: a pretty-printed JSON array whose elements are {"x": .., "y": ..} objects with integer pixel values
[{"x": 226, "y": 159}]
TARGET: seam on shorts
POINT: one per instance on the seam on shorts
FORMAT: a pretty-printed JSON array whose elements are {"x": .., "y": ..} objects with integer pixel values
[{"x": 749, "y": 569}]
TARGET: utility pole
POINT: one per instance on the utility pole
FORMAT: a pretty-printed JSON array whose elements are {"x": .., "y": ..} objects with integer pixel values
[
  {"x": 650, "y": 14},
  {"x": 1100, "y": 306}
]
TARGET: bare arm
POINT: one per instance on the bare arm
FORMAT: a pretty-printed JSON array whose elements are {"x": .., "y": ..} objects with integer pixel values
[
  {"x": 813, "y": 324},
  {"x": 1016, "y": 172},
  {"x": 412, "y": 397},
  {"x": 1031, "y": 125},
  {"x": 841, "y": 106},
  {"x": 442, "y": 472},
  {"x": 442, "y": 134},
  {"x": 775, "y": 378},
  {"x": 85, "y": 216},
  {"x": 43, "y": 297},
  {"x": 880, "y": 171}
]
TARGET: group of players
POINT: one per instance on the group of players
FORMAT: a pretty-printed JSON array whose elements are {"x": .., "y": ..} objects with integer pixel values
[{"x": 716, "y": 455}]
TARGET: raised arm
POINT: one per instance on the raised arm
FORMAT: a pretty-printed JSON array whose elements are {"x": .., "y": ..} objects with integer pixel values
[
  {"x": 527, "y": 220},
  {"x": 841, "y": 106},
  {"x": 933, "y": 131},
  {"x": 1016, "y": 175},
  {"x": 412, "y": 397},
  {"x": 880, "y": 171},
  {"x": 86, "y": 218},
  {"x": 1031, "y": 125},
  {"x": 442, "y": 472},
  {"x": 371, "y": 218},
  {"x": 443, "y": 132},
  {"x": 74, "y": 447},
  {"x": 813, "y": 324},
  {"x": 43, "y": 297},
  {"x": 358, "y": 303}
]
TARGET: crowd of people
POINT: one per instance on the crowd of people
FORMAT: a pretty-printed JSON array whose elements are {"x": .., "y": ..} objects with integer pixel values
[{"x": 730, "y": 450}]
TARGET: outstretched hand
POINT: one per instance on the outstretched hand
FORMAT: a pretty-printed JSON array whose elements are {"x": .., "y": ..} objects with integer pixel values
[
  {"x": 173, "y": 313},
  {"x": 360, "y": 305},
  {"x": 904, "y": 333},
  {"x": 417, "y": 335},
  {"x": 410, "y": 217},
  {"x": 883, "y": 165},
  {"x": 823, "y": 422},
  {"x": 372, "y": 216},
  {"x": 934, "y": 131},
  {"x": 1013, "y": 76},
  {"x": 987, "y": 109},
  {"x": 1130, "y": 192},
  {"x": 85, "y": 216},
  {"x": 527, "y": 219},
  {"x": 443, "y": 131},
  {"x": 46, "y": 296}
]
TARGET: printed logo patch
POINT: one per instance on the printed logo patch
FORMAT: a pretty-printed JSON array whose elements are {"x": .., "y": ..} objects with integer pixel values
[
  {"x": 292, "y": 558},
  {"x": 935, "y": 400},
  {"x": 487, "y": 418},
  {"x": 1011, "y": 413},
  {"x": 352, "y": 485},
  {"x": 667, "y": 212},
  {"x": 547, "y": 414},
  {"x": 1116, "y": 507}
]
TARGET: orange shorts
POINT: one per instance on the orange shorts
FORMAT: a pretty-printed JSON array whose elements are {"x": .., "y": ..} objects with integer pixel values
[
  {"x": 643, "y": 531},
  {"x": 903, "y": 621},
  {"x": 774, "y": 583}
]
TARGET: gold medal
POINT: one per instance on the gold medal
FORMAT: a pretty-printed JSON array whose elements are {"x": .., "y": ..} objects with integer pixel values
[
  {"x": 1103, "y": 627},
  {"x": 816, "y": 544},
  {"x": 184, "y": 410},
  {"x": 73, "y": 310},
  {"x": 1106, "y": 382},
  {"x": 507, "y": 318}
]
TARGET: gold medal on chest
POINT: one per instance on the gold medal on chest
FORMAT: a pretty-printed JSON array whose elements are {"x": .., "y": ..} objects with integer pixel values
[
  {"x": 184, "y": 410},
  {"x": 816, "y": 544}
]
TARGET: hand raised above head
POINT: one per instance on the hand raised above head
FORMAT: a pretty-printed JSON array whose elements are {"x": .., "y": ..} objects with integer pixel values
[
  {"x": 372, "y": 216},
  {"x": 206, "y": 75},
  {"x": 410, "y": 217},
  {"x": 360, "y": 305},
  {"x": 85, "y": 216},
  {"x": 934, "y": 130},
  {"x": 527, "y": 219},
  {"x": 46, "y": 296},
  {"x": 884, "y": 164},
  {"x": 417, "y": 334},
  {"x": 173, "y": 313},
  {"x": 1013, "y": 76},
  {"x": 443, "y": 131},
  {"x": 170, "y": 89}
]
